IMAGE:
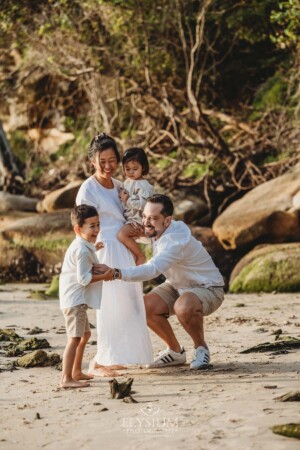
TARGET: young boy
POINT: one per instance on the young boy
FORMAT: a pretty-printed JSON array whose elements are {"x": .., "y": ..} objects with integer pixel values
[{"x": 79, "y": 290}]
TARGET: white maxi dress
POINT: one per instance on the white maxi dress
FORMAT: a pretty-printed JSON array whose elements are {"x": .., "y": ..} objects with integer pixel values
[{"x": 122, "y": 334}]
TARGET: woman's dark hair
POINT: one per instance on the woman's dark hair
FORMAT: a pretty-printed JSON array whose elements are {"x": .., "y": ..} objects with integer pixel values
[
  {"x": 103, "y": 142},
  {"x": 136, "y": 154},
  {"x": 80, "y": 213},
  {"x": 165, "y": 201}
]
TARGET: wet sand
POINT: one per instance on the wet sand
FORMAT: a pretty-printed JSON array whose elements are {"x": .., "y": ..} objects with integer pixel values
[{"x": 231, "y": 406}]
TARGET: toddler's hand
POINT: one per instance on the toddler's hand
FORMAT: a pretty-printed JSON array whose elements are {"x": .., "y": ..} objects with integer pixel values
[
  {"x": 108, "y": 276},
  {"x": 123, "y": 195},
  {"x": 99, "y": 269},
  {"x": 99, "y": 245}
]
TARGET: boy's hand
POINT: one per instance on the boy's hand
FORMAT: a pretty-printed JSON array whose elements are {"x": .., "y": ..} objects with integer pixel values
[
  {"x": 108, "y": 275},
  {"x": 99, "y": 269},
  {"x": 99, "y": 245},
  {"x": 123, "y": 195}
]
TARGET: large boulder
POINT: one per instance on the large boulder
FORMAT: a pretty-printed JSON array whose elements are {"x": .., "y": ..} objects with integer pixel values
[
  {"x": 33, "y": 248},
  {"x": 190, "y": 208},
  {"x": 12, "y": 202},
  {"x": 60, "y": 198},
  {"x": 49, "y": 140},
  {"x": 268, "y": 213},
  {"x": 268, "y": 268}
]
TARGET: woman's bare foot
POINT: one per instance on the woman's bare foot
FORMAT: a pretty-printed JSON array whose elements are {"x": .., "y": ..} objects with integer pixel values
[
  {"x": 117, "y": 367},
  {"x": 81, "y": 376},
  {"x": 140, "y": 260},
  {"x": 102, "y": 371},
  {"x": 73, "y": 384}
]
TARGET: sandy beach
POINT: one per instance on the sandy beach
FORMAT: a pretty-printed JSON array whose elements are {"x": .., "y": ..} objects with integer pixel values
[{"x": 231, "y": 406}]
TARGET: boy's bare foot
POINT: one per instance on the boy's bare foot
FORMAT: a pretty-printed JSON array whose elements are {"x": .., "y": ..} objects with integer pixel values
[
  {"x": 73, "y": 384},
  {"x": 81, "y": 376},
  {"x": 140, "y": 260}
]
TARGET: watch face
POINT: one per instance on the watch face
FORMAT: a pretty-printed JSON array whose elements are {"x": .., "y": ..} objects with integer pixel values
[{"x": 116, "y": 274}]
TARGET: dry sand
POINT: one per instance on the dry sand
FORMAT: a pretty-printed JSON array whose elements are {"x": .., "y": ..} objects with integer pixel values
[{"x": 231, "y": 406}]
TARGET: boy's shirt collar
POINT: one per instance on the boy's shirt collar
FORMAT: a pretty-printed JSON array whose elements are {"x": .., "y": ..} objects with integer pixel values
[{"x": 88, "y": 244}]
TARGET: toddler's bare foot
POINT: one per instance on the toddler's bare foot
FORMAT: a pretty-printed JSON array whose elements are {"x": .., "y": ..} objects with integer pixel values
[
  {"x": 73, "y": 384},
  {"x": 140, "y": 260},
  {"x": 81, "y": 376}
]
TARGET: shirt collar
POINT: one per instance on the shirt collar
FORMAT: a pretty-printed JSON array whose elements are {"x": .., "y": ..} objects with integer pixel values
[
  {"x": 167, "y": 231},
  {"x": 88, "y": 244}
]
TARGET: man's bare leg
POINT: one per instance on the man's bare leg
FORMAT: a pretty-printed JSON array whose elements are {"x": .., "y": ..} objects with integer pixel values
[
  {"x": 156, "y": 311},
  {"x": 67, "y": 380},
  {"x": 189, "y": 311},
  {"x": 77, "y": 373}
]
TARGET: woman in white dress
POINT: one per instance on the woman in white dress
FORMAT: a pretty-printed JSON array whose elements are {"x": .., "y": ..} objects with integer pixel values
[{"x": 122, "y": 334}]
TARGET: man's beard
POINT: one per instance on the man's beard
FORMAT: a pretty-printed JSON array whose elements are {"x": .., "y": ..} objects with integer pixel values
[{"x": 152, "y": 233}]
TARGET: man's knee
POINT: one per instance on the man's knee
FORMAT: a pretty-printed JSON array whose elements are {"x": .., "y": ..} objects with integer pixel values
[
  {"x": 155, "y": 305},
  {"x": 187, "y": 305}
]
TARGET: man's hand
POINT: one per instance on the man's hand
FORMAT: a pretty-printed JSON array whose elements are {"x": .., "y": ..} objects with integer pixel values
[
  {"x": 100, "y": 269},
  {"x": 99, "y": 245},
  {"x": 108, "y": 276}
]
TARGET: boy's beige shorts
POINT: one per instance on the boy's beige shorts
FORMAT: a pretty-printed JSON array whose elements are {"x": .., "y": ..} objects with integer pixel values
[
  {"x": 77, "y": 322},
  {"x": 211, "y": 298}
]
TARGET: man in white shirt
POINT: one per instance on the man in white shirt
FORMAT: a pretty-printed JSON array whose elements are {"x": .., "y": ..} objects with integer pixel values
[{"x": 193, "y": 287}]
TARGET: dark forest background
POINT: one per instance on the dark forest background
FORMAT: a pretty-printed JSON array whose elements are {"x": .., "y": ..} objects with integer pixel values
[{"x": 210, "y": 89}]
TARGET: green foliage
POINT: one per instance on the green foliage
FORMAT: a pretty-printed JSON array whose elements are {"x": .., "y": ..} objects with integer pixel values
[
  {"x": 20, "y": 145},
  {"x": 272, "y": 93},
  {"x": 194, "y": 170},
  {"x": 286, "y": 21}
]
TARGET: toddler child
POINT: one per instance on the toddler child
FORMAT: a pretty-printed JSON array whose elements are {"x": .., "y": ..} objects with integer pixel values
[
  {"x": 133, "y": 195},
  {"x": 79, "y": 290}
]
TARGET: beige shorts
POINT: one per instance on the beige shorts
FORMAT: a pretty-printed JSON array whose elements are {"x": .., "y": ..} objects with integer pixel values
[
  {"x": 211, "y": 298},
  {"x": 77, "y": 322}
]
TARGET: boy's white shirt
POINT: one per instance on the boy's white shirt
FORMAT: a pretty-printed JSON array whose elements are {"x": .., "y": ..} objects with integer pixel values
[
  {"x": 180, "y": 258},
  {"x": 75, "y": 287}
]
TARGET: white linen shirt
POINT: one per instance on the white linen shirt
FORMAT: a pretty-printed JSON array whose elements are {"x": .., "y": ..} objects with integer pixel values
[
  {"x": 180, "y": 258},
  {"x": 75, "y": 287}
]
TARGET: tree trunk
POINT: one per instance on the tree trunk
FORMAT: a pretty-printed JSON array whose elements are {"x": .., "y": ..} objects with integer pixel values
[{"x": 10, "y": 176}]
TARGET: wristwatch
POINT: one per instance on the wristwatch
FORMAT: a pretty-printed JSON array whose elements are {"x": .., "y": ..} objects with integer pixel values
[{"x": 117, "y": 274}]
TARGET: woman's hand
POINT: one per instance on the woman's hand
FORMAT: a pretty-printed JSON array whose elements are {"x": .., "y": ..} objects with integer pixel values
[
  {"x": 100, "y": 269},
  {"x": 99, "y": 245}
]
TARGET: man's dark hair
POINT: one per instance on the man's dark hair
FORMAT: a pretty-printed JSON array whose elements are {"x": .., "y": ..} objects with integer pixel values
[
  {"x": 168, "y": 207},
  {"x": 103, "y": 142},
  {"x": 80, "y": 213},
  {"x": 139, "y": 155}
]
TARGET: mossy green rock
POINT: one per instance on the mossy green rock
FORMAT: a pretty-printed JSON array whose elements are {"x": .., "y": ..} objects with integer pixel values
[
  {"x": 52, "y": 291},
  {"x": 28, "y": 344},
  {"x": 268, "y": 268},
  {"x": 9, "y": 335},
  {"x": 38, "y": 358},
  {"x": 288, "y": 429}
]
